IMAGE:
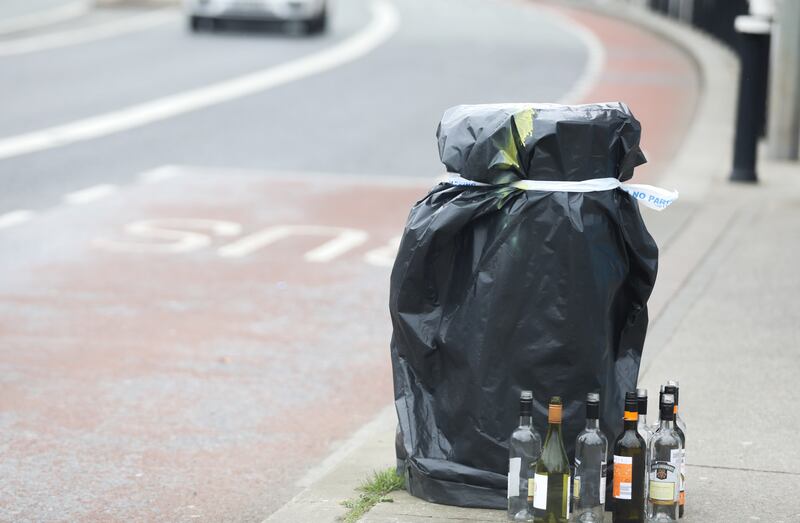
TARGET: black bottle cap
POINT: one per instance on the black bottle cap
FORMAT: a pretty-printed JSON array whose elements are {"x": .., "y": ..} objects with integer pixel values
[
  {"x": 641, "y": 398},
  {"x": 672, "y": 389},
  {"x": 667, "y": 406},
  {"x": 593, "y": 405},
  {"x": 631, "y": 402},
  {"x": 676, "y": 390},
  {"x": 526, "y": 403}
]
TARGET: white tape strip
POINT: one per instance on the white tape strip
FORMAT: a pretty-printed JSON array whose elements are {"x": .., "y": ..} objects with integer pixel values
[{"x": 648, "y": 195}]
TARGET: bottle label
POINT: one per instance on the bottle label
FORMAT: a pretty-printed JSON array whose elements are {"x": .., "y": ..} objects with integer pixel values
[
  {"x": 683, "y": 477},
  {"x": 603, "y": 472},
  {"x": 623, "y": 477},
  {"x": 631, "y": 416},
  {"x": 540, "y": 491},
  {"x": 576, "y": 481},
  {"x": 514, "y": 465},
  {"x": 566, "y": 502},
  {"x": 664, "y": 478}
]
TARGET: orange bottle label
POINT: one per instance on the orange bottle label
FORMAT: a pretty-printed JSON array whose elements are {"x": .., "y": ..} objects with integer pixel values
[
  {"x": 631, "y": 416},
  {"x": 623, "y": 477}
]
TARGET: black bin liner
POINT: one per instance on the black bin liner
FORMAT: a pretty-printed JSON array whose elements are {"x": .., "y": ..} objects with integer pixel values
[{"x": 496, "y": 289}]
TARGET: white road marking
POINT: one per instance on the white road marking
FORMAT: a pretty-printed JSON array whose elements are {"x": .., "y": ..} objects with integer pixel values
[
  {"x": 344, "y": 239},
  {"x": 159, "y": 174},
  {"x": 383, "y": 24},
  {"x": 90, "y": 194},
  {"x": 43, "y": 18},
  {"x": 384, "y": 256},
  {"x": 86, "y": 34},
  {"x": 172, "y": 235},
  {"x": 15, "y": 217},
  {"x": 595, "y": 61}
]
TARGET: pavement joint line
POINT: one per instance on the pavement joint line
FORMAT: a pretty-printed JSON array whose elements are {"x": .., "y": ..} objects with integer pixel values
[
  {"x": 43, "y": 18},
  {"x": 744, "y": 469},
  {"x": 383, "y": 24},
  {"x": 17, "y": 217},
  {"x": 89, "y": 194},
  {"x": 83, "y": 35}
]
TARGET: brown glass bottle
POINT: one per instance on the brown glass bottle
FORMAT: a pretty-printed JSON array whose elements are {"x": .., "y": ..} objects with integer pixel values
[{"x": 629, "y": 458}]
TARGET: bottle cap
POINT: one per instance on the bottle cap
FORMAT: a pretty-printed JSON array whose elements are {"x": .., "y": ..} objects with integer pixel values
[
  {"x": 526, "y": 403},
  {"x": 641, "y": 399},
  {"x": 667, "y": 407},
  {"x": 554, "y": 411},
  {"x": 676, "y": 389},
  {"x": 592, "y": 405},
  {"x": 631, "y": 407}
]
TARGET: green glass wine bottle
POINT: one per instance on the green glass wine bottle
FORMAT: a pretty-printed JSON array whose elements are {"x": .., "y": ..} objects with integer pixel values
[
  {"x": 551, "y": 482},
  {"x": 629, "y": 464}
]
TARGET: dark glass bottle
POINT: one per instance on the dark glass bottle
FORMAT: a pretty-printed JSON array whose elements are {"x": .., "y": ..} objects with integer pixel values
[
  {"x": 629, "y": 463},
  {"x": 551, "y": 491}
]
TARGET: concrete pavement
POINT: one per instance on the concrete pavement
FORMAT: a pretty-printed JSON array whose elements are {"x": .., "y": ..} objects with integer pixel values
[{"x": 724, "y": 322}]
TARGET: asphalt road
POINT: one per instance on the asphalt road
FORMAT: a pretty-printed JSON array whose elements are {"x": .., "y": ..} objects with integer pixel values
[{"x": 161, "y": 379}]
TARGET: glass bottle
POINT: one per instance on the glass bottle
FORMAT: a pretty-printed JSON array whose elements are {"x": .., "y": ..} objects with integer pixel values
[
  {"x": 589, "y": 483},
  {"x": 680, "y": 428},
  {"x": 551, "y": 482},
  {"x": 664, "y": 456},
  {"x": 629, "y": 458},
  {"x": 645, "y": 430},
  {"x": 524, "y": 449}
]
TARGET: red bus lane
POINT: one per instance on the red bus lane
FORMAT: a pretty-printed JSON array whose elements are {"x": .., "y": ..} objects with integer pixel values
[{"x": 201, "y": 345}]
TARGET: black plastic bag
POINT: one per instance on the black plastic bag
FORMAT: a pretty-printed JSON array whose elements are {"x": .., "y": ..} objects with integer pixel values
[{"x": 497, "y": 289}]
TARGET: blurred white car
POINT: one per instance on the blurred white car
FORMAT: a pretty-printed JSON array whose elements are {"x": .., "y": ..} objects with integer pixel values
[{"x": 309, "y": 14}]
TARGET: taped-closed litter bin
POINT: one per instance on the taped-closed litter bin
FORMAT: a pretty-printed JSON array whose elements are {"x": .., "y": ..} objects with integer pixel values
[{"x": 529, "y": 269}]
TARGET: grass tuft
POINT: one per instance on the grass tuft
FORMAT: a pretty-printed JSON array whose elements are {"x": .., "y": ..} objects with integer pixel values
[{"x": 373, "y": 491}]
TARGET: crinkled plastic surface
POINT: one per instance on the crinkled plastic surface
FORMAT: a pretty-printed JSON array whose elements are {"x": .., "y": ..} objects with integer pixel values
[{"x": 496, "y": 290}]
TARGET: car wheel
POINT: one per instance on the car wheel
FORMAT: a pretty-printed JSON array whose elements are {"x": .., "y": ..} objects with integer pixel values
[
  {"x": 318, "y": 24},
  {"x": 195, "y": 23}
]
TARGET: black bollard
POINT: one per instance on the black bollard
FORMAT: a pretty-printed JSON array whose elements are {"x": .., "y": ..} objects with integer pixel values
[{"x": 752, "y": 105}]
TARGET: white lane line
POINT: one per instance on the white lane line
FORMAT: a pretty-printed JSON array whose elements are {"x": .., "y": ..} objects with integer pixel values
[
  {"x": 51, "y": 16},
  {"x": 165, "y": 172},
  {"x": 90, "y": 194},
  {"x": 383, "y": 24},
  {"x": 12, "y": 218},
  {"x": 595, "y": 61},
  {"x": 86, "y": 34}
]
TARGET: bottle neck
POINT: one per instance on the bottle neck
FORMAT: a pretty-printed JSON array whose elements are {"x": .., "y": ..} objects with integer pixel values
[
  {"x": 642, "y": 419},
  {"x": 553, "y": 429},
  {"x": 525, "y": 420},
  {"x": 631, "y": 418},
  {"x": 592, "y": 423},
  {"x": 667, "y": 424}
]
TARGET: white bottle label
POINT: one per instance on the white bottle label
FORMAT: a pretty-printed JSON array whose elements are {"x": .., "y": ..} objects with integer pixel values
[
  {"x": 540, "y": 491},
  {"x": 603, "y": 470},
  {"x": 569, "y": 493},
  {"x": 664, "y": 480},
  {"x": 514, "y": 465}
]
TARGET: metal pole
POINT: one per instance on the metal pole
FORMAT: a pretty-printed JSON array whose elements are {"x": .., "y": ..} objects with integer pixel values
[
  {"x": 754, "y": 55},
  {"x": 784, "y": 98}
]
